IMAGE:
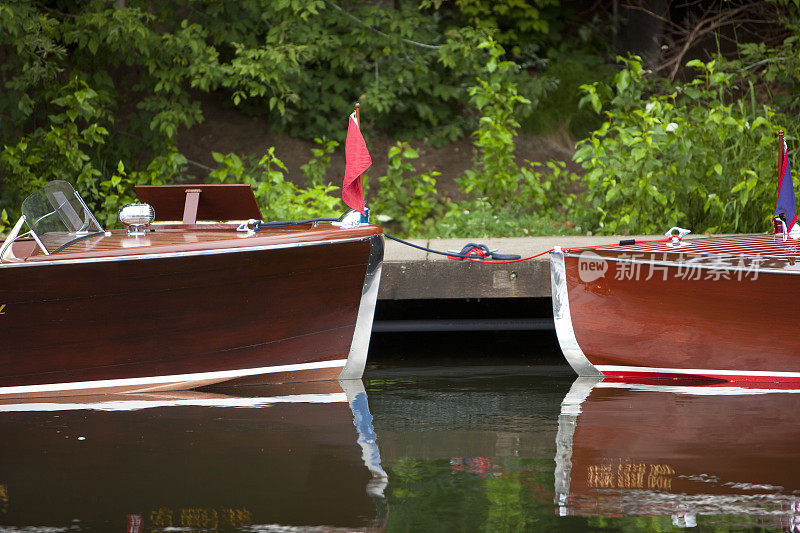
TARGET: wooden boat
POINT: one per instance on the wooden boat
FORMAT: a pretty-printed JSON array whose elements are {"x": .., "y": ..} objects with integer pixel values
[
  {"x": 710, "y": 308},
  {"x": 679, "y": 450},
  {"x": 291, "y": 457},
  {"x": 179, "y": 305}
]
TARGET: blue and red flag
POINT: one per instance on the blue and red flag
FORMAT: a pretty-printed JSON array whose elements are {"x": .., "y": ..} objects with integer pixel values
[{"x": 786, "y": 203}]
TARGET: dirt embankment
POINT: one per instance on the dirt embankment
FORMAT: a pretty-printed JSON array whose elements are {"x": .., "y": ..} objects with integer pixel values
[{"x": 227, "y": 130}]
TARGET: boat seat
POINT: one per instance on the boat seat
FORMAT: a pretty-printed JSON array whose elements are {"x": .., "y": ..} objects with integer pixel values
[{"x": 207, "y": 202}]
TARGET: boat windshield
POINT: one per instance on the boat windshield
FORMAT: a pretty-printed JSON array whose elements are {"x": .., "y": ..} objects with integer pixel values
[{"x": 59, "y": 216}]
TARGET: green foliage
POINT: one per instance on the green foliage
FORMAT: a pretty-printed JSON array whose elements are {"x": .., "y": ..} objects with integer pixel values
[
  {"x": 393, "y": 58},
  {"x": 96, "y": 94},
  {"x": 409, "y": 202},
  {"x": 278, "y": 198},
  {"x": 557, "y": 113},
  {"x": 508, "y": 508},
  {"x": 519, "y": 25},
  {"x": 545, "y": 187},
  {"x": 774, "y": 69},
  {"x": 317, "y": 166},
  {"x": 511, "y": 495},
  {"x": 88, "y": 85},
  {"x": 128, "y": 91},
  {"x": 503, "y": 197},
  {"x": 477, "y": 218},
  {"x": 60, "y": 150},
  {"x": 692, "y": 156},
  {"x": 495, "y": 174},
  {"x": 523, "y": 16}
]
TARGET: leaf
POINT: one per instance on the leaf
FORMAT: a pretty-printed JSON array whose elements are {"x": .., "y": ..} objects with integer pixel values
[
  {"x": 623, "y": 80},
  {"x": 758, "y": 122}
]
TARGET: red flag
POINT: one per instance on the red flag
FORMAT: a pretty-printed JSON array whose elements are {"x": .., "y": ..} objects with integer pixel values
[{"x": 357, "y": 160}]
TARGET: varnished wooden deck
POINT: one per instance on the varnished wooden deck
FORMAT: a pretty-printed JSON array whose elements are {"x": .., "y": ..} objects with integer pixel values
[
  {"x": 756, "y": 244},
  {"x": 191, "y": 239},
  {"x": 758, "y": 251}
]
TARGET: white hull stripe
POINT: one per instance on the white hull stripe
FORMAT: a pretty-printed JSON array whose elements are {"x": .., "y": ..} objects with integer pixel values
[
  {"x": 696, "y": 390},
  {"x": 135, "y": 405},
  {"x": 696, "y": 371},
  {"x": 176, "y": 378}
]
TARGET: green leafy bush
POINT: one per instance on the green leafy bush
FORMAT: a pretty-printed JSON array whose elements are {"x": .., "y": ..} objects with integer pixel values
[
  {"x": 406, "y": 203},
  {"x": 696, "y": 155},
  {"x": 503, "y": 196},
  {"x": 278, "y": 198},
  {"x": 557, "y": 114},
  {"x": 518, "y": 25},
  {"x": 317, "y": 166},
  {"x": 59, "y": 151},
  {"x": 87, "y": 86},
  {"x": 495, "y": 174}
]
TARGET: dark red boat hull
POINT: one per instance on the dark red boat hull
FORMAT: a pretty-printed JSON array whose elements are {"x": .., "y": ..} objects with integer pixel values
[
  {"x": 286, "y": 313},
  {"x": 651, "y": 319}
]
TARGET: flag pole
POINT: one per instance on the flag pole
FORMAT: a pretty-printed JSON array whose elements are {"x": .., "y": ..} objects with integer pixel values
[
  {"x": 779, "y": 219},
  {"x": 365, "y": 216}
]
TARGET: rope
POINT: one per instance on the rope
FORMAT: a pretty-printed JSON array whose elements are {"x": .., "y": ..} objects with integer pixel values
[
  {"x": 466, "y": 256},
  {"x": 430, "y": 250},
  {"x": 474, "y": 260},
  {"x": 626, "y": 243},
  {"x": 284, "y": 223}
]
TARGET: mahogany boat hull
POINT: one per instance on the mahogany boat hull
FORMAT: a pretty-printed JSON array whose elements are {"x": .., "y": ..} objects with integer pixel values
[
  {"x": 658, "y": 318},
  {"x": 181, "y": 318}
]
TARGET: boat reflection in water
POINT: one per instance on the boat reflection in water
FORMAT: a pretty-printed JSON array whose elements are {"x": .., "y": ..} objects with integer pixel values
[
  {"x": 266, "y": 458},
  {"x": 660, "y": 448}
]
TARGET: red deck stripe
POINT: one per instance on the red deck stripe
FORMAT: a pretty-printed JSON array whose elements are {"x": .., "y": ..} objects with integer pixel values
[{"x": 764, "y": 245}]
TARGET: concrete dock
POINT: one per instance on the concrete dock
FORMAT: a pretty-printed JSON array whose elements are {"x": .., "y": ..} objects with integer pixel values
[{"x": 411, "y": 274}]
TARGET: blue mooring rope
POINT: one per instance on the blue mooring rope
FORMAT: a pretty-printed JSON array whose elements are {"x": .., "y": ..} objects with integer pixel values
[{"x": 462, "y": 255}]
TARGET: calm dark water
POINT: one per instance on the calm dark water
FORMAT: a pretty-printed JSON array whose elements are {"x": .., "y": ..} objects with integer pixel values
[{"x": 476, "y": 447}]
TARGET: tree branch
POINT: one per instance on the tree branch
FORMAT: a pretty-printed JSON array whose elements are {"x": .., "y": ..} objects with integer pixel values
[
  {"x": 377, "y": 31},
  {"x": 654, "y": 15},
  {"x": 55, "y": 11},
  {"x": 763, "y": 62},
  {"x": 711, "y": 23}
]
